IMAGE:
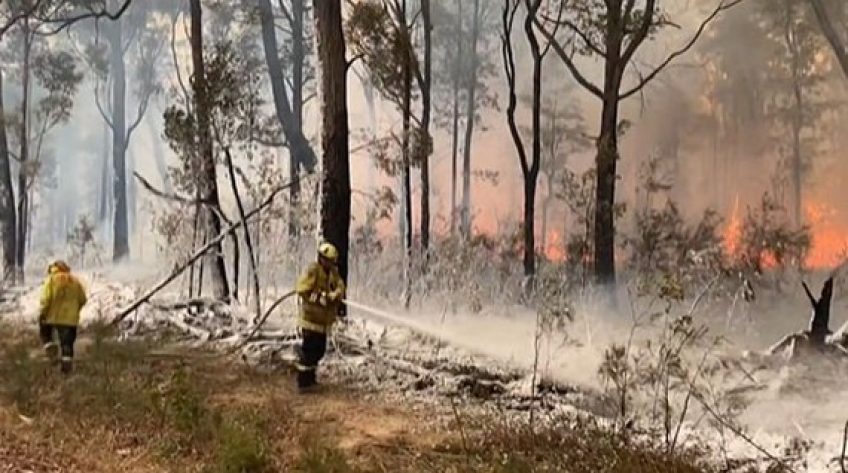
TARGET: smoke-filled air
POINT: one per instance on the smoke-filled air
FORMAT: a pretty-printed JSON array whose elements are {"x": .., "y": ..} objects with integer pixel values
[{"x": 357, "y": 236}]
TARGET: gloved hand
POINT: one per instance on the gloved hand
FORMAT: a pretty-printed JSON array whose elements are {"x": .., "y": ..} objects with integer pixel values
[
  {"x": 313, "y": 297},
  {"x": 323, "y": 299},
  {"x": 334, "y": 296}
]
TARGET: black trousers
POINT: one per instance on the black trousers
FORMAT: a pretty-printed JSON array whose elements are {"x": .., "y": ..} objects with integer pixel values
[
  {"x": 312, "y": 349},
  {"x": 67, "y": 337}
]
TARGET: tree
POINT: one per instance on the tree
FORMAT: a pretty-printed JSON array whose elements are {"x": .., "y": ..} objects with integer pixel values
[
  {"x": 208, "y": 175},
  {"x": 529, "y": 165},
  {"x": 133, "y": 32},
  {"x": 8, "y": 217},
  {"x": 335, "y": 182},
  {"x": 612, "y": 31},
  {"x": 796, "y": 104},
  {"x": 289, "y": 112},
  {"x": 49, "y": 78},
  {"x": 470, "y": 112},
  {"x": 426, "y": 97},
  {"x": 380, "y": 33},
  {"x": 563, "y": 135}
]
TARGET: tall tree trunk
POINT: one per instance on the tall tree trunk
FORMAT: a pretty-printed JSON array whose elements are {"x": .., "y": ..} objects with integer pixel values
[
  {"x": 335, "y": 188},
  {"x": 406, "y": 183},
  {"x": 531, "y": 177},
  {"x": 105, "y": 185},
  {"x": 208, "y": 177},
  {"x": 23, "y": 179},
  {"x": 425, "y": 125},
  {"x": 457, "y": 73},
  {"x": 298, "y": 59},
  {"x": 470, "y": 110},
  {"x": 8, "y": 218},
  {"x": 301, "y": 153},
  {"x": 132, "y": 194},
  {"x": 797, "y": 115},
  {"x": 117, "y": 68},
  {"x": 605, "y": 162}
]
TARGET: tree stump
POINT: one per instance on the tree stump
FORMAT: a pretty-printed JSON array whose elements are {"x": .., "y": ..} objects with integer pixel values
[{"x": 813, "y": 341}]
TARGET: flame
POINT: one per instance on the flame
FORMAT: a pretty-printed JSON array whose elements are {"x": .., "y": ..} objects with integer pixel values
[
  {"x": 554, "y": 249},
  {"x": 829, "y": 237},
  {"x": 733, "y": 232}
]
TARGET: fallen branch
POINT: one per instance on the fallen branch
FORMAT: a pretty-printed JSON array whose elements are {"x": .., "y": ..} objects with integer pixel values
[
  {"x": 738, "y": 432},
  {"x": 260, "y": 322},
  {"x": 199, "y": 253}
]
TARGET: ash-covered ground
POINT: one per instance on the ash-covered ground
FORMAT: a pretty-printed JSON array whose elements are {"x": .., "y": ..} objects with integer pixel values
[{"x": 498, "y": 361}]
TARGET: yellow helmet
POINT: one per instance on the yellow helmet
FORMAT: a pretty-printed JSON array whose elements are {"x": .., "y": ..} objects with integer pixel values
[
  {"x": 327, "y": 250},
  {"x": 58, "y": 266}
]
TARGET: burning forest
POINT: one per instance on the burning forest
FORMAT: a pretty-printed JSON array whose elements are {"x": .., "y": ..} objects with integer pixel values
[{"x": 423, "y": 235}]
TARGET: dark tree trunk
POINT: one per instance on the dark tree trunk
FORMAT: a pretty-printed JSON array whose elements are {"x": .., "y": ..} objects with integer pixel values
[
  {"x": 302, "y": 154},
  {"x": 607, "y": 156},
  {"x": 425, "y": 125},
  {"x": 470, "y": 111},
  {"x": 455, "y": 125},
  {"x": 605, "y": 162},
  {"x": 406, "y": 71},
  {"x": 8, "y": 218},
  {"x": 208, "y": 177},
  {"x": 23, "y": 178},
  {"x": 531, "y": 177},
  {"x": 335, "y": 188},
  {"x": 117, "y": 69},
  {"x": 298, "y": 59}
]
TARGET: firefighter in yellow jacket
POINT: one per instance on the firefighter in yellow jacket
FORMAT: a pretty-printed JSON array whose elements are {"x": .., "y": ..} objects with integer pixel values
[
  {"x": 62, "y": 298},
  {"x": 321, "y": 292}
]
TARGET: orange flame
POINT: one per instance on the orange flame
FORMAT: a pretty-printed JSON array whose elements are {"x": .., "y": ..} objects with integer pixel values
[
  {"x": 554, "y": 249},
  {"x": 829, "y": 237},
  {"x": 733, "y": 232}
]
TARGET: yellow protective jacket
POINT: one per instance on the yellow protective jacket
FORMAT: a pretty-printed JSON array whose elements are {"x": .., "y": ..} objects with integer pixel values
[
  {"x": 314, "y": 282},
  {"x": 62, "y": 298}
]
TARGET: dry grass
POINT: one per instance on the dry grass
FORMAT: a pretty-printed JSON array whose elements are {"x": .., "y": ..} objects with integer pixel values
[{"x": 126, "y": 409}]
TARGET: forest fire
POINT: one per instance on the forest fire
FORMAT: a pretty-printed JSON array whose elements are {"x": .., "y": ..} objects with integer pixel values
[
  {"x": 829, "y": 237},
  {"x": 554, "y": 247}
]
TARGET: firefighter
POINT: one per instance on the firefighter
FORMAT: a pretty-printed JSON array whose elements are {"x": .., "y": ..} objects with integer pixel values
[
  {"x": 321, "y": 292},
  {"x": 62, "y": 298}
]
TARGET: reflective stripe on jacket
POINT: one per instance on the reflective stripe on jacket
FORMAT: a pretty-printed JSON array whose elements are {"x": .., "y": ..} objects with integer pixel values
[
  {"x": 62, "y": 298},
  {"x": 315, "y": 281}
]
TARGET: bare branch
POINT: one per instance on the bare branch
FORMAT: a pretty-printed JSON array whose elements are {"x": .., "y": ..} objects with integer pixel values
[
  {"x": 723, "y": 6},
  {"x": 567, "y": 60},
  {"x": 580, "y": 33},
  {"x": 64, "y": 23}
]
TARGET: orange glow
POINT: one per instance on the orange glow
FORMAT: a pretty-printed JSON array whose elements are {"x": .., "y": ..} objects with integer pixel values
[
  {"x": 733, "y": 232},
  {"x": 554, "y": 249},
  {"x": 829, "y": 236}
]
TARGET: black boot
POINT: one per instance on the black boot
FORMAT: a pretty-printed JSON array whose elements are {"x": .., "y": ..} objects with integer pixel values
[{"x": 67, "y": 366}]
